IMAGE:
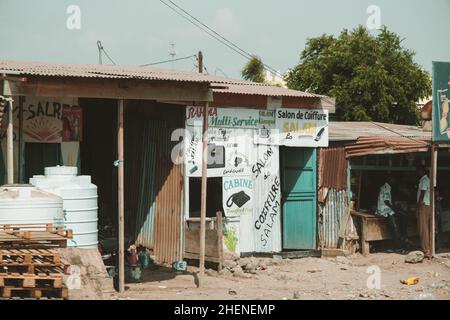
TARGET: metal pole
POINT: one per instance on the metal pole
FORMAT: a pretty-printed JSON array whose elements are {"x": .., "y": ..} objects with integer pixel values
[
  {"x": 433, "y": 177},
  {"x": 204, "y": 188},
  {"x": 120, "y": 190},
  {"x": 10, "y": 144}
]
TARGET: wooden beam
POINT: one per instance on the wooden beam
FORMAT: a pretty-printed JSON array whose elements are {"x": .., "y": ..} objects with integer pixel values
[
  {"x": 112, "y": 88},
  {"x": 10, "y": 144},
  {"x": 120, "y": 190},
  {"x": 204, "y": 188}
]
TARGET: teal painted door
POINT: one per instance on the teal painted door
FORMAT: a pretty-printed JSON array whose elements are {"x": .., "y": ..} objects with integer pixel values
[{"x": 298, "y": 174}]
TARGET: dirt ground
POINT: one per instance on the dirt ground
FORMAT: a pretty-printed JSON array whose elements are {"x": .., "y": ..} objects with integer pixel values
[{"x": 339, "y": 278}]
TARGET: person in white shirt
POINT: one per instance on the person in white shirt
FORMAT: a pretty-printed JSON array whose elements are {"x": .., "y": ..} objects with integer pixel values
[
  {"x": 386, "y": 209},
  {"x": 424, "y": 211}
]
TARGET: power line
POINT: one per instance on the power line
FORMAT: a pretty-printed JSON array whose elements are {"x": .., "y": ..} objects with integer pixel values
[
  {"x": 167, "y": 61},
  {"x": 213, "y": 31},
  {"x": 220, "y": 70},
  {"x": 398, "y": 133},
  {"x": 196, "y": 22}
]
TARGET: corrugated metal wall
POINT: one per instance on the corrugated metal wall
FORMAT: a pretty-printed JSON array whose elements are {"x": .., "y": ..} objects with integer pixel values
[
  {"x": 332, "y": 193},
  {"x": 154, "y": 182},
  {"x": 168, "y": 203},
  {"x": 160, "y": 190},
  {"x": 146, "y": 193},
  {"x": 332, "y": 214}
]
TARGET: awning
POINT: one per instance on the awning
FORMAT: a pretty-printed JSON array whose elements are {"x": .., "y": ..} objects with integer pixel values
[{"x": 385, "y": 145}]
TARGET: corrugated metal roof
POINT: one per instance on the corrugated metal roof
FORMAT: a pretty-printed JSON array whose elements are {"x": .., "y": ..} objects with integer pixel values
[
  {"x": 229, "y": 85},
  {"x": 385, "y": 145},
  {"x": 106, "y": 71},
  {"x": 265, "y": 90},
  {"x": 341, "y": 131}
]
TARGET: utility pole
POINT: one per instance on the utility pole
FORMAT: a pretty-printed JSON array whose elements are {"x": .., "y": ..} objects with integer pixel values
[
  {"x": 200, "y": 62},
  {"x": 204, "y": 179}
]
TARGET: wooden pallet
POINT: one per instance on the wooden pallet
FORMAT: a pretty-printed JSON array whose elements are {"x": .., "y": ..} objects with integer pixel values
[
  {"x": 28, "y": 256},
  {"x": 34, "y": 293},
  {"x": 25, "y": 280},
  {"x": 33, "y": 236},
  {"x": 42, "y": 268}
]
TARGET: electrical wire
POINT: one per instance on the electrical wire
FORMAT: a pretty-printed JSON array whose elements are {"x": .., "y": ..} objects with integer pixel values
[
  {"x": 166, "y": 61},
  {"x": 196, "y": 22},
  {"x": 221, "y": 71},
  {"x": 398, "y": 133}
]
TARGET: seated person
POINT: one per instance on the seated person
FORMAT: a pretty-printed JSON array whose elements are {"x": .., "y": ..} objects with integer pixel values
[{"x": 386, "y": 209}]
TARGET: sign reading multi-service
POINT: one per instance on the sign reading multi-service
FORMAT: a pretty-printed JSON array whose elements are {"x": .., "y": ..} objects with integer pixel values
[{"x": 441, "y": 96}]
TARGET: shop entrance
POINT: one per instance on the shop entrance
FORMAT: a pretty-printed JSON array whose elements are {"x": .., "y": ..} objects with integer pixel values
[
  {"x": 38, "y": 156},
  {"x": 298, "y": 178},
  {"x": 152, "y": 181}
]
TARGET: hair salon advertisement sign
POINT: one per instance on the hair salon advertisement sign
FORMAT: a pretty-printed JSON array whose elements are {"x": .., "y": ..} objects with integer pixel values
[{"x": 441, "y": 96}]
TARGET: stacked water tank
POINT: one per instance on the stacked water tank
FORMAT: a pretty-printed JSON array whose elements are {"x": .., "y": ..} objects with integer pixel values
[
  {"x": 25, "y": 204},
  {"x": 79, "y": 197}
]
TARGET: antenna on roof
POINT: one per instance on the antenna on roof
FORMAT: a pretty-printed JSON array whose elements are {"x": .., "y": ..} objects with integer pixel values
[
  {"x": 100, "y": 48},
  {"x": 172, "y": 53}
]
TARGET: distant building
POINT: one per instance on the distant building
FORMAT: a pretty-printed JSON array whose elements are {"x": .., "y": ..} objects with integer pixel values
[{"x": 275, "y": 79}]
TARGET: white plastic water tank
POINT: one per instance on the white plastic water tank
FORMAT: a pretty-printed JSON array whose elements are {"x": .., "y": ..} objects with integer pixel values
[
  {"x": 79, "y": 202},
  {"x": 20, "y": 204}
]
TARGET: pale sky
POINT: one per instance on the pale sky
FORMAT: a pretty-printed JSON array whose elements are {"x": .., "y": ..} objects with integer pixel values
[{"x": 140, "y": 31}]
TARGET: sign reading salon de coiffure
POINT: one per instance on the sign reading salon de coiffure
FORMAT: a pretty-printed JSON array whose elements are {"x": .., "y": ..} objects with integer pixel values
[{"x": 285, "y": 127}]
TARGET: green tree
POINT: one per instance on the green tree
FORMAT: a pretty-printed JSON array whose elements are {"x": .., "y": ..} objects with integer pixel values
[
  {"x": 373, "y": 78},
  {"x": 253, "y": 70}
]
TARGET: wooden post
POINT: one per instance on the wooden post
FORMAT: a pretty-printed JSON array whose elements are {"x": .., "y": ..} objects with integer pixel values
[
  {"x": 219, "y": 238},
  {"x": 200, "y": 62},
  {"x": 120, "y": 190},
  {"x": 21, "y": 152},
  {"x": 433, "y": 176},
  {"x": 10, "y": 144},
  {"x": 204, "y": 188}
]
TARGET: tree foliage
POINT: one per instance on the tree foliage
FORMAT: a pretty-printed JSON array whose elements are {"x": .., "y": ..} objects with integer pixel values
[
  {"x": 253, "y": 70},
  {"x": 373, "y": 78}
]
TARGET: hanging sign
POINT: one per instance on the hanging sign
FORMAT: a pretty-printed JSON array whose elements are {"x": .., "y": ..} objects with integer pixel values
[
  {"x": 302, "y": 127},
  {"x": 441, "y": 97},
  {"x": 285, "y": 127},
  {"x": 237, "y": 196},
  {"x": 72, "y": 123}
]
